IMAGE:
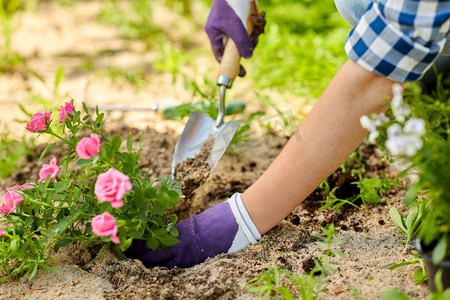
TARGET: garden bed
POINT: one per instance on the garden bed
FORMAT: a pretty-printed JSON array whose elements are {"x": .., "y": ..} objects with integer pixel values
[{"x": 369, "y": 241}]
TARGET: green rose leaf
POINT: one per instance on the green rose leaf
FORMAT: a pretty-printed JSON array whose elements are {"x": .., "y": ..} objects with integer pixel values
[
  {"x": 169, "y": 240},
  {"x": 152, "y": 243},
  {"x": 61, "y": 243}
]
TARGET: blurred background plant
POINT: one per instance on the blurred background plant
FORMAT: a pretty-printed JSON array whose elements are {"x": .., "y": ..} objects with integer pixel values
[
  {"x": 416, "y": 132},
  {"x": 13, "y": 153},
  {"x": 9, "y": 20}
]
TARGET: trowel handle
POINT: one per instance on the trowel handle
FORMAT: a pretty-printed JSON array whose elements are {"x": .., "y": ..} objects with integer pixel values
[
  {"x": 228, "y": 70},
  {"x": 229, "y": 65}
]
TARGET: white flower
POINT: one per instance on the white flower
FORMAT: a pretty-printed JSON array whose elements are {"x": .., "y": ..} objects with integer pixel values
[
  {"x": 395, "y": 145},
  {"x": 397, "y": 90},
  {"x": 415, "y": 127},
  {"x": 413, "y": 144},
  {"x": 394, "y": 130},
  {"x": 371, "y": 125},
  {"x": 404, "y": 144},
  {"x": 372, "y": 136},
  {"x": 366, "y": 123},
  {"x": 380, "y": 119},
  {"x": 399, "y": 110}
]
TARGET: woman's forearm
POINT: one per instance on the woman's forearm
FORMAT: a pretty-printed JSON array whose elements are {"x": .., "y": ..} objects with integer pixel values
[{"x": 328, "y": 135}]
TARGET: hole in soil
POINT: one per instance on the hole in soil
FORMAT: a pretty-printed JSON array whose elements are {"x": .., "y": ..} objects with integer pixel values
[{"x": 308, "y": 265}]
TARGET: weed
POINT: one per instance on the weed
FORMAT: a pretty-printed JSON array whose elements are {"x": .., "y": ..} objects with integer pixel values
[
  {"x": 408, "y": 225},
  {"x": 338, "y": 188},
  {"x": 354, "y": 163},
  {"x": 274, "y": 283},
  {"x": 336, "y": 203},
  {"x": 328, "y": 240},
  {"x": 372, "y": 189},
  {"x": 420, "y": 275},
  {"x": 271, "y": 284}
]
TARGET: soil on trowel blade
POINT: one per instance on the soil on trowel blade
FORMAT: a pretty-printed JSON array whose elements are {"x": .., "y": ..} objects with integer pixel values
[{"x": 193, "y": 172}]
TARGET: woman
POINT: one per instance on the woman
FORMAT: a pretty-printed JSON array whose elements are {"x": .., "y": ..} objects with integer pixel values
[{"x": 391, "y": 41}]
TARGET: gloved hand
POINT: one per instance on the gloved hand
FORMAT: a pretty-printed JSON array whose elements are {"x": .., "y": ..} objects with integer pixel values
[
  {"x": 229, "y": 18},
  {"x": 224, "y": 228}
]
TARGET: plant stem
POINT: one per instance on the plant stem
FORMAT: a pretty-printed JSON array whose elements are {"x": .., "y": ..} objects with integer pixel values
[
  {"x": 50, "y": 131},
  {"x": 41, "y": 203}
]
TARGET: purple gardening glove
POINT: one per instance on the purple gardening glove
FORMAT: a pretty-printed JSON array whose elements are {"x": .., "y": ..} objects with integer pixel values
[
  {"x": 224, "y": 228},
  {"x": 229, "y": 18}
]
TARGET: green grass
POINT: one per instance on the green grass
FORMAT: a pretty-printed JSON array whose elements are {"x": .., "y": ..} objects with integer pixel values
[
  {"x": 9, "y": 11},
  {"x": 12, "y": 154},
  {"x": 302, "y": 48},
  {"x": 434, "y": 108}
]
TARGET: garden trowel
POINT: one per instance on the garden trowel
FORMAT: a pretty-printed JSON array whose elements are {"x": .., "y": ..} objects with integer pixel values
[{"x": 202, "y": 133}]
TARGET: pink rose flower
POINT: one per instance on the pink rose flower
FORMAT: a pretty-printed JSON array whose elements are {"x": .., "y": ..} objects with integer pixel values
[
  {"x": 51, "y": 169},
  {"x": 12, "y": 199},
  {"x": 88, "y": 147},
  {"x": 4, "y": 209},
  {"x": 105, "y": 225},
  {"x": 65, "y": 110},
  {"x": 39, "y": 121},
  {"x": 2, "y": 232},
  {"x": 111, "y": 186},
  {"x": 21, "y": 187}
]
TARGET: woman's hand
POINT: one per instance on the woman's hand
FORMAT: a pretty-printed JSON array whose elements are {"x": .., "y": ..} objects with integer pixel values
[{"x": 228, "y": 18}]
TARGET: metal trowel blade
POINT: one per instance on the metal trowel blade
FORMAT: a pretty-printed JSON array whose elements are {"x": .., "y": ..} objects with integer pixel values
[{"x": 201, "y": 129}]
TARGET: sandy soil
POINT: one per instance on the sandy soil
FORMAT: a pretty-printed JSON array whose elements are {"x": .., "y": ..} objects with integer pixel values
[
  {"x": 48, "y": 38},
  {"x": 369, "y": 241}
]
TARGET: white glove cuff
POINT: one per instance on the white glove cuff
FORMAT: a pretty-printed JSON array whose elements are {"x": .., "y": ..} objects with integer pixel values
[
  {"x": 241, "y": 8},
  {"x": 247, "y": 232}
]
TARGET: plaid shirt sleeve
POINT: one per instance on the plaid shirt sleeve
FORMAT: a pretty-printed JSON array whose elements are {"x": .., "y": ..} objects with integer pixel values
[{"x": 399, "y": 39}]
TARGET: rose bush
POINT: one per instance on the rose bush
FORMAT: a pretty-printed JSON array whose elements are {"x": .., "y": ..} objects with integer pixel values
[{"x": 92, "y": 191}]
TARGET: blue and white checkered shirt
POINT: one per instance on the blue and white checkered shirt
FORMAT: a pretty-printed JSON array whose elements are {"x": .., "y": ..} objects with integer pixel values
[{"x": 400, "y": 39}]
